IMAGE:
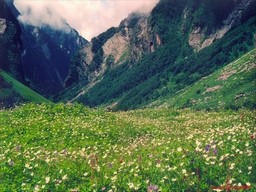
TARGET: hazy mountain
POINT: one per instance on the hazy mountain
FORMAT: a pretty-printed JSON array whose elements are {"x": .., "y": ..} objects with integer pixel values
[{"x": 37, "y": 55}]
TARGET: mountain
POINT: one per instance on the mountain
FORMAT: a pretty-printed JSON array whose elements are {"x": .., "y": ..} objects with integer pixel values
[
  {"x": 10, "y": 42},
  {"x": 150, "y": 56},
  {"x": 46, "y": 50},
  {"x": 232, "y": 86},
  {"x": 47, "y": 54},
  {"x": 13, "y": 92}
]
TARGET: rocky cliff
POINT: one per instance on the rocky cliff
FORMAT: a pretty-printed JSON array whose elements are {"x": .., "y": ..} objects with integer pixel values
[
  {"x": 10, "y": 42},
  {"x": 150, "y": 55}
]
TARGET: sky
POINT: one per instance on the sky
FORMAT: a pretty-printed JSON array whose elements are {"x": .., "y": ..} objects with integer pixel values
[{"x": 88, "y": 17}]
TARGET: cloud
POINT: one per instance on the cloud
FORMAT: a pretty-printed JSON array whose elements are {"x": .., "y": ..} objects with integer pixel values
[{"x": 88, "y": 17}]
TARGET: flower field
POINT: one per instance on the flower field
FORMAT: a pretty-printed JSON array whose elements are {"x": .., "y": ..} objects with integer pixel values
[{"x": 73, "y": 148}]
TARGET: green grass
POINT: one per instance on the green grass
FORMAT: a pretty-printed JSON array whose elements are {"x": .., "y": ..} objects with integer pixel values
[
  {"x": 23, "y": 90},
  {"x": 233, "y": 87},
  {"x": 74, "y": 148}
]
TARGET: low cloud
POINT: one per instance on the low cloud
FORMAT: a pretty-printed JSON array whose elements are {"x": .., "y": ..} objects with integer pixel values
[{"x": 89, "y": 17}]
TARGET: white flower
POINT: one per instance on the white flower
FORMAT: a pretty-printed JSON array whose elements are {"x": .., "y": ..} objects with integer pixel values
[
  {"x": 114, "y": 178},
  {"x": 232, "y": 165},
  {"x": 179, "y": 149},
  {"x": 131, "y": 185},
  {"x": 47, "y": 179},
  {"x": 248, "y": 184},
  {"x": 65, "y": 177},
  {"x": 250, "y": 168}
]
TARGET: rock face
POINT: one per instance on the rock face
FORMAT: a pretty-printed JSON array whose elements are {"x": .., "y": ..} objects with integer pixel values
[
  {"x": 116, "y": 46},
  {"x": 198, "y": 38},
  {"x": 129, "y": 41},
  {"x": 2, "y": 26},
  {"x": 10, "y": 42}
]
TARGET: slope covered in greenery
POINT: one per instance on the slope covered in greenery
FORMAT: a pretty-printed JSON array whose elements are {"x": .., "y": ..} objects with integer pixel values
[
  {"x": 14, "y": 92},
  {"x": 230, "y": 87},
  {"x": 174, "y": 65},
  {"x": 74, "y": 148}
]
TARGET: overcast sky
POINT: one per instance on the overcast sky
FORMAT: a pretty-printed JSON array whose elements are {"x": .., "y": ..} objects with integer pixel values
[{"x": 88, "y": 17}]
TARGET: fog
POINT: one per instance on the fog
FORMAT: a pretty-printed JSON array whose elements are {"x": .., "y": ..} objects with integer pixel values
[{"x": 88, "y": 17}]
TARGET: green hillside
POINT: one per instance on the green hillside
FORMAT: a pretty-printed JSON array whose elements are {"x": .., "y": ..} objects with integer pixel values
[
  {"x": 14, "y": 92},
  {"x": 230, "y": 87},
  {"x": 73, "y": 148},
  {"x": 171, "y": 68}
]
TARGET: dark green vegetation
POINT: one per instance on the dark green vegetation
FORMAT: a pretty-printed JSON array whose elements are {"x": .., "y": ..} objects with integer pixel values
[
  {"x": 73, "y": 148},
  {"x": 13, "y": 92},
  {"x": 171, "y": 68},
  {"x": 230, "y": 87},
  {"x": 174, "y": 65}
]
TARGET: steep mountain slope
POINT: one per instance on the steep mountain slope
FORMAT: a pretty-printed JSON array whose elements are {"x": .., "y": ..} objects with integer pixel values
[
  {"x": 13, "y": 92},
  {"x": 232, "y": 86},
  {"x": 149, "y": 56},
  {"x": 47, "y": 50},
  {"x": 46, "y": 56}
]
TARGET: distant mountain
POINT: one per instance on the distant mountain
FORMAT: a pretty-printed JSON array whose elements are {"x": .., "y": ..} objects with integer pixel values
[
  {"x": 46, "y": 52},
  {"x": 10, "y": 42},
  {"x": 150, "y": 56},
  {"x": 46, "y": 56}
]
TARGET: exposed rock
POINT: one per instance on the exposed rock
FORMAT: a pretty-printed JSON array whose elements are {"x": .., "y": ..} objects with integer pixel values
[
  {"x": 198, "y": 38},
  {"x": 226, "y": 74},
  {"x": 88, "y": 53},
  {"x": 116, "y": 46},
  {"x": 212, "y": 89},
  {"x": 2, "y": 26}
]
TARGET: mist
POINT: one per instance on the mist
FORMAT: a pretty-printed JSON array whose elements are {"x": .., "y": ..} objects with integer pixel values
[{"x": 88, "y": 17}]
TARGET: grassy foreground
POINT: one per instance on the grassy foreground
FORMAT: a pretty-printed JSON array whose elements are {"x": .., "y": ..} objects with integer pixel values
[{"x": 72, "y": 148}]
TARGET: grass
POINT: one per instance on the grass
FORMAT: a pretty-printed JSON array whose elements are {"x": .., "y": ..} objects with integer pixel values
[
  {"x": 23, "y": 90},
  {"x": 61, "y": 147},
  {"x": 230, "y": 87}
]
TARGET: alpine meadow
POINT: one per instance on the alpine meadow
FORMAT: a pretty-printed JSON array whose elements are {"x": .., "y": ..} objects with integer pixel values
[{"x": 163, "y": 102}]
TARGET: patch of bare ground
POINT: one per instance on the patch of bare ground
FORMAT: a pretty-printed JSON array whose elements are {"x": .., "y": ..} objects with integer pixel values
[
  {"x": 226, "y": 74},
  {"x": 212, "y": 89}
]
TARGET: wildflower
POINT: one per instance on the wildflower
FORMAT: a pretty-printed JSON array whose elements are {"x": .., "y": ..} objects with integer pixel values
[
  {"x": 65, "y": 177},
  {"x": 179, "y": 149},
  {"x": 131, "y": 185},
  {"x": 114, "y": 178},
  {"x": 152, "y": 188},
  {"x": 36, "y": 188},
  {"x": 47, "y": 179},
  {"x": 250, "y": 168},
  {"x": 207, "y": 148},
  {"x": 215, "y": 151},
  {"x": 232, "y": 165},
  {"x": 248, "y": 184}
]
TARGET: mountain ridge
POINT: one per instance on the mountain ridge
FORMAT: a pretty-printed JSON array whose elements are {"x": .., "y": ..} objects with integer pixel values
[{"x": 160, "y": 51}]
